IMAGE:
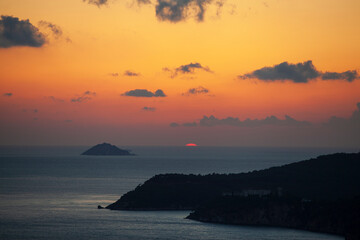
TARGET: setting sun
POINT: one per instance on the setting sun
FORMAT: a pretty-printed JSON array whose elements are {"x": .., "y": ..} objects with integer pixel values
[{"x": 191, "y": 145}]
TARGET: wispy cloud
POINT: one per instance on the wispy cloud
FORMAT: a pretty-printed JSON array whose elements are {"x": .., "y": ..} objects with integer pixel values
[
  {"x": 144, "y": 93},
  {"x": 131, "y": 74},
  {"x": 53, "y": 29},
  {"x": 179, "y": 10},
  {"x": 175, "y": 11},
  {"x": 84, "y": 97},
  {"x": 114, "y": 74},
  {"x": 56, "y": 30},
  {"x": 96, "y": 2},
  {"x": 196, "y": 91},
  {"x": 54, "y": 99},
  {"x": 348, "y": 75},
  {"x": 187, "y": 69},
  {"x": 7, "y": 94}
]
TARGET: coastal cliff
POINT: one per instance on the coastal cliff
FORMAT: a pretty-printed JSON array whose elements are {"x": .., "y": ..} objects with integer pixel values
[
  {"x": 319, "y": 194},
  {"x": 328, "y": 177}
]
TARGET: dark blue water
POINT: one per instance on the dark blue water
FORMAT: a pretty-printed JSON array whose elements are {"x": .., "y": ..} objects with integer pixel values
[{"x": 53, "y": 192}]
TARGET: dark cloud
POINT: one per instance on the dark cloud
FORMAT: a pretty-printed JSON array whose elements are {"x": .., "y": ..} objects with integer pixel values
[
  {"x": 348, "y": 75},
  {"x": 190, "y": 68},
  {"x": 131, "y": 74},
  {"x": 196, "y": 91},
  {"x": 175, "y": 10},
  {"x": 84, "y": 97},
  {"x": 149, "y": 109},
  {"x": 236, "y": 122},
  {"x": 96, "y": 2},
  {"x": 298, "y": 73},
  {"x": 56, "y": 30},
  {"x": 179, "y": 10},
  {"x": 68, "y": 121},
  {"x": 187, "y": 69},
  {"x": 15, "y": 32},
  {"x": 354, "y": 120},
  {"x": 272, "y": 120},
  {"x": 144, "y": 93},
  {"x": 35, "y": 111},
  {"x": 7, "y": 94}
]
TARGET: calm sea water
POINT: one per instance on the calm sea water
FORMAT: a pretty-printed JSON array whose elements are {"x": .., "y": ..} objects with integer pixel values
[{"x": 53, "y": 192}]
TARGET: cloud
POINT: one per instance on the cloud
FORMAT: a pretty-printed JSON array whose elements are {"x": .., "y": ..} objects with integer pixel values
[
  {"x": 7, "y": 94},
  {"x": 149, "y": 109},
  {"x": 272, "y": 120},
  {"x": 188, "y": 124},
  {"x": 298, "y": 73},
  {"x": 187, "y": 69},
  {"x": 56, "y": 30},
  {"x": 96, "y": 2},
  {"x": 54, "y": 99},
  {"x": 174, "y": 124},
  {"x": 196, "y": 91},
  {"x": 179, "y": 10},
  {"x": 175, "y": 11},
  {"x": 236, "y": 122},
  {"x": 143, "y": 1},
  {"x": 114, "y": 74},
  {"x": 354, "y": 120},
  {"x": 190, "y": 68},
  {"x": 131, "y": 74},
  {"x": 15, "y": 32},
  {"x": 84, "y": 97},
  {"x": 144, "y": 93},
  {"x": 348, "y": 75}
]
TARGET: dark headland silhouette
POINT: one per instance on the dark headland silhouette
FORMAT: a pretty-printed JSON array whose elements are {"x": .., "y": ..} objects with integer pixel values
[
  {"x": 106, "y": 149},
  {"x": 321, "y": 195}
]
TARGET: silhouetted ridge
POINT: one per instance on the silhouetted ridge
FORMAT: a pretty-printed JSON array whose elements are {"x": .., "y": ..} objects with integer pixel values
[
  {"x": 106, "y": 149},
  {"x": 326, "y": 177},
  {"x": 318, "y": 195}
]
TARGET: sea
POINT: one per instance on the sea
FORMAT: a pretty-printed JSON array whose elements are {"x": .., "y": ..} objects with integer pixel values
[{"x": 53, "y": 192}]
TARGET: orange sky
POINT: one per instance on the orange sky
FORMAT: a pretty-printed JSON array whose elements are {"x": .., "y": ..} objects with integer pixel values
[{"x": 122, "y": 35}]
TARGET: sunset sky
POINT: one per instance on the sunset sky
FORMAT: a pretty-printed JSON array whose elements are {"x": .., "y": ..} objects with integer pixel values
[{"x": 172, "y": 72}]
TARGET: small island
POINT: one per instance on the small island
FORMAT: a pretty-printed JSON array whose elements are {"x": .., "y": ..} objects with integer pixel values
[{"x": 106, "y": 149}]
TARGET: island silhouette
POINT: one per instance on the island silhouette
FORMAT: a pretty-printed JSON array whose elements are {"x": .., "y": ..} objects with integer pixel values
[{"x": 106, "y": 149}]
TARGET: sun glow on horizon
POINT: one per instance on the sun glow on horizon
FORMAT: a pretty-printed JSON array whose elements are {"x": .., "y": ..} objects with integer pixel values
[{"x": 191, "y": 145}]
